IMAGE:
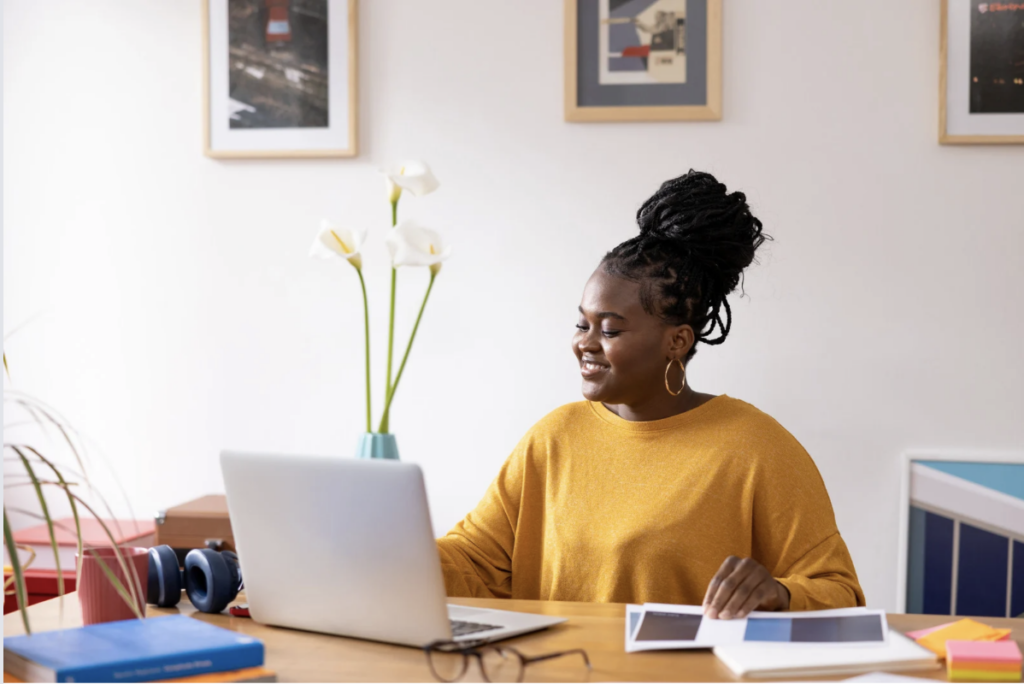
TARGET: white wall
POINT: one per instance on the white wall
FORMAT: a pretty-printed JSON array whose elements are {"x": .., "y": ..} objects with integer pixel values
[{"x": 179, "y": 314}]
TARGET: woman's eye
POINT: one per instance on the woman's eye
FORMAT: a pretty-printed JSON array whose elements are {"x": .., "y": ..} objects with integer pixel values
[{"x": 607, "y": 333}]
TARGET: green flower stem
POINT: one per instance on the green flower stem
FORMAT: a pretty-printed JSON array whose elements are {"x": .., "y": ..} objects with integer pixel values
[
  {"x": 391, "y": 316},
  {"x": 391, "y": 330},
  {"x": 387, "y": 406},
  {"x": 366, "y": 328}
]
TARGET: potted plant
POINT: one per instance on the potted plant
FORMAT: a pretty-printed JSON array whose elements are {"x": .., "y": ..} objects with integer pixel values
[
  {"x": 44, "y": 474},
  {"x": 410, "y": 245}
]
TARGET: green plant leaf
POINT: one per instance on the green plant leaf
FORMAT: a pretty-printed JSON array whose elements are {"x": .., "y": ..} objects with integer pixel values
[
  {"x": 52, "y": 417},
  {"x": 46, "y": 514},
  {"x": 65, "y": 485},
  {"x": 118, "y": 585},
  {"x": 34, "y": 407},
  {"x": 19, "y": 577}
]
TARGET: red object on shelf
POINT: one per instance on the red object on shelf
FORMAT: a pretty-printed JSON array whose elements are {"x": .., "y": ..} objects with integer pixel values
[
  {"x": 92, "y": 532},
  {"x": 41, "y": 577},
  {"x": 637, "y": 51},
  {"x": 278, "y": 28},
  {"x": 41, "y": 585},
  {"x": 126, "y": 533},
  {"x": 240, "y": 610}
]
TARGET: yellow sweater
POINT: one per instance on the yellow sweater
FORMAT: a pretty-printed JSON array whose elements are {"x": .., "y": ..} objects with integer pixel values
[{"x": 592, "y": 507}]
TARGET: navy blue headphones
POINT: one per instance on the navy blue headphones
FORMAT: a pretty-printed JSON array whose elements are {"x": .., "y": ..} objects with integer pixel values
[{"x": 212, "y": 579}]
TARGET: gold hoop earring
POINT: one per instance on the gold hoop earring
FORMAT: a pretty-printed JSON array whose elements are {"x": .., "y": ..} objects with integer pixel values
[{"x": 667, "y": 369}]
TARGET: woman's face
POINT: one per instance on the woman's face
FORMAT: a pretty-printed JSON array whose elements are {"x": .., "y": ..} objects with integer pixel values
[{"x": 622, "y": 349}]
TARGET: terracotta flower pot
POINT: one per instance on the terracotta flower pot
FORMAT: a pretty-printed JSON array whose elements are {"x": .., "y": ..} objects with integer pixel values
[{"x": 100, "y": 600}]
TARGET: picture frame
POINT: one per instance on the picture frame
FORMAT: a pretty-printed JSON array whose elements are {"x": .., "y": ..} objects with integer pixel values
[
  {"x": 624, "y": 61},
  {"x": 961, "y": 533},
  {"x": 981, "y": 82},
  {"x": 280, "y": 79}
]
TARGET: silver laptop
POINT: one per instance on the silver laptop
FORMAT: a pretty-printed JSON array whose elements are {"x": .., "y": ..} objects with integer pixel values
[{"x": 346, "y": 547}]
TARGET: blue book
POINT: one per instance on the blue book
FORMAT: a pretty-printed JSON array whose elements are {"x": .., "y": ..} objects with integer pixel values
[{"x": 130, "y": 651}]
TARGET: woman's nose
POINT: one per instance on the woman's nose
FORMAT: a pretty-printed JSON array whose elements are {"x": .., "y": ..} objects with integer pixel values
[{"x": 588, "y": 340}]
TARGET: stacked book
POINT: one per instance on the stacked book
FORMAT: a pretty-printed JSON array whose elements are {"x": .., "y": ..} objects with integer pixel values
[{"x": 177, "y": 648}]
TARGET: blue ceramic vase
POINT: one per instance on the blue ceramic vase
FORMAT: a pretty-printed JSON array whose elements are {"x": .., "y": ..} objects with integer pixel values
[{"x": 377, "y": 445}]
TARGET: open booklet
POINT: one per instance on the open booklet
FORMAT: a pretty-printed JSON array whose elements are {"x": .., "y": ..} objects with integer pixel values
[{"x": 657, "y": 626}]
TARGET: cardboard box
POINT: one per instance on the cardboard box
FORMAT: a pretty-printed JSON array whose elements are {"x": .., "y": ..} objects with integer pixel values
[{"x": 196, "y": 524}]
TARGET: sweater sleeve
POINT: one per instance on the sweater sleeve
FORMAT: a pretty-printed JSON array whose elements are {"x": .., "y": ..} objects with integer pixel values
[
  {"x": 795, "y": 534},
  {"x": 476, "y": 554},
  {"x": 823, "y": 578}
]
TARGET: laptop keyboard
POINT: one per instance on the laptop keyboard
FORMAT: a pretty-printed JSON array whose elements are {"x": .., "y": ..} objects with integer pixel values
[{"x": 461, "y": 628}]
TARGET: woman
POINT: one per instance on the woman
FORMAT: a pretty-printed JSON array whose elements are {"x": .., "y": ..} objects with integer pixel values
[{"x": 650, "y": 491}]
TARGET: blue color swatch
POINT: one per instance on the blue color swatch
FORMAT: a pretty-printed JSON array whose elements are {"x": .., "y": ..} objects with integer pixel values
[{"x": 768, "y": 629}]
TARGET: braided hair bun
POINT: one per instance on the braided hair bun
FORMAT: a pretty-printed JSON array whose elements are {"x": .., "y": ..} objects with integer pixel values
[{"x": 695, "y": 240}]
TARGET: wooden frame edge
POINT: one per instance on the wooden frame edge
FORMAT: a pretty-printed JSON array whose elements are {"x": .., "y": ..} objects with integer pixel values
[
  {"x": 712, "y": 111},
  {"x": 353, "y": 102},
  {"x": 944, "y": 137},
  {"x": 656, "y": 113},
  {"x": 943, "y": 61},
  {"x": 570, "y": 47},
  {"x": 353, "y": 79},
  {"x": 205, "y": 5},
  {"x": 981, "y": 139},
  {"x": 716, "y": 27}
]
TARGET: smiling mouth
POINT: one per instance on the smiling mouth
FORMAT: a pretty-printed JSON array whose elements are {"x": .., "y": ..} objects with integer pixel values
[{"x": 589, "y": 369}]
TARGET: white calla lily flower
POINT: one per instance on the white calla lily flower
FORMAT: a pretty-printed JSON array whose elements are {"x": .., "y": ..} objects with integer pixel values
[
  {"x": 412, "y": 175},
  {"x": 414, "y": 245},
  {"x": 334, "y": 241}
]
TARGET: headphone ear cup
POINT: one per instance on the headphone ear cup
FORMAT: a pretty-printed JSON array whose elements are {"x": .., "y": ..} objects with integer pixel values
[
  {"x": 235, "y": 568},
  {"x": 163, "y": 582},
  {"x": 208, "y": 580}
]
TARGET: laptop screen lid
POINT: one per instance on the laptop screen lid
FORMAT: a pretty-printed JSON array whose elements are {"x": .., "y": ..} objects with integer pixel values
[{"x": 337, "y": 546}]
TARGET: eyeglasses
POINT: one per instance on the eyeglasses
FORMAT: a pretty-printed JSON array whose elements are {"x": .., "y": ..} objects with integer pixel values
[{"x": 449, "y": 660}]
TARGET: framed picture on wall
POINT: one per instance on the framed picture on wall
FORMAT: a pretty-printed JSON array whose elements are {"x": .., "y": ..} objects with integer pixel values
[
  {"x": 643, "y": 60},
  {"x": 279, "y": 78},
  {"x": 981, "y": 63},
  {"x": 962, "y": 534}
]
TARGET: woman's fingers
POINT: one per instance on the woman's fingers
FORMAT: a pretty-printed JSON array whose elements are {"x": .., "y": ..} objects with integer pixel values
[
  {"x": 744, "y": 591},
  {"x": 724, "y": 571},
  {"x": 735, "y": 571},
  {"x": 740, "y": 586},
  {"x": 757, "y": 599}
]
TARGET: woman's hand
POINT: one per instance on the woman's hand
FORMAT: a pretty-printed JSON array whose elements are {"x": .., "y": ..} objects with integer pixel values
[{"x": 740, "y": 586}]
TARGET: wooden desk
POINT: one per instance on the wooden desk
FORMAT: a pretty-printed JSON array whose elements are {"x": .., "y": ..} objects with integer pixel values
[{"x": 597, "y": 627}]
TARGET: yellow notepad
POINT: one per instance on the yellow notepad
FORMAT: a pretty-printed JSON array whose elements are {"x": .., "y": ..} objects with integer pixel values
[{"x": 962, "y": 630}]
